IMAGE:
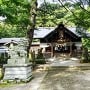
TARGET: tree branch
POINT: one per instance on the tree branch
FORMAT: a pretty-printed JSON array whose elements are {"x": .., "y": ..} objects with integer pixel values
[
  {"x": 84, "y": 9},
  {"x": 69, "y": 10}
]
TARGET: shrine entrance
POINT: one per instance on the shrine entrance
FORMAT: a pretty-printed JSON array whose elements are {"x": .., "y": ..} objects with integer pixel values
[
  {"x": 64, "y": 41},
  {"x": 62, "y": 48},
  {"x": 67, "y": 48}
]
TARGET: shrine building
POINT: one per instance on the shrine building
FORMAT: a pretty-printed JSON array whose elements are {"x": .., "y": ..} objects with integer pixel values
[{"x": 58, "y": 39}]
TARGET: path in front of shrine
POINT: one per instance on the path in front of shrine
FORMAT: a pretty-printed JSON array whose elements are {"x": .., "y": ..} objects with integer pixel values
[{"x": 63, "y": 74}]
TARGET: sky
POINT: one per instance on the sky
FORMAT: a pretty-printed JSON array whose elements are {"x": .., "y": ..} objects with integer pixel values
[{"x": 2, "y": 18}]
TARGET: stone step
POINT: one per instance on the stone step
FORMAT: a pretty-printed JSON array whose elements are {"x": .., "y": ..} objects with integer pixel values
[
  {"x": 84, "y": 67},
  {"x": 63, "y": 68},
  {"x": 43, "y": 67}
]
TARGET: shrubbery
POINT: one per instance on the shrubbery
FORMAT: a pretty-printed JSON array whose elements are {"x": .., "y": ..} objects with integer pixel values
[
  {"x": 40, "y": 58},
  {"x": 3, "y": 58}
]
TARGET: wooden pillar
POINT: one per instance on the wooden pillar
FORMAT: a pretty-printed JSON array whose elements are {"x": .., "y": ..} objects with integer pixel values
[
  {"x": 52, "y": 50},
  {"x": 70, "y": 48}
]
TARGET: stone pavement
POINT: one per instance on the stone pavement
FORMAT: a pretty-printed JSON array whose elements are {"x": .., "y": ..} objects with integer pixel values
[
  {"x": 66, "y": 80},
  {"x": 72, "y": 62},
  {"x": 58, "y": 79},
  {"x": 73, "y": 75},
  {"x": 32, "y": 85},
  {"x": 66, "y": 61}
]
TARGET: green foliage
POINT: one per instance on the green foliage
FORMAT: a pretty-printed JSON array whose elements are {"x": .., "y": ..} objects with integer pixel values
[
  {"x": 1, "y": 73},
  {"x": 17, "y": 17},
  {"x": 40, "y": 58},
  {"x": 21, "y": 15},
  {"x": 40, "y": 61},
  {"x": 16, "y": 11},
  {"x": 80, "y": 15},
  {"x": 3, "y": 58},
  {"x": 51, "y": 14},
  {"x": 86, "y": 49},
  {"x": 8, "y": 30},
  {"x": 86, "y": 42},
  {"x": 82, "y": 19}
]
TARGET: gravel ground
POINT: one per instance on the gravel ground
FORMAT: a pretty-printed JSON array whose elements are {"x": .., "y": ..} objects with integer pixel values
[
  {"x": 32, "y": 85},
  {"x": 66, "y": 80},
  {"x": 57, "y": 79}
]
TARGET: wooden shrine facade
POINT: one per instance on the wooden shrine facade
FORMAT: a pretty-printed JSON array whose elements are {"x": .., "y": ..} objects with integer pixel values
[
  {"x": 61, "y": 39},
  {"x": 61, "y": 35}
]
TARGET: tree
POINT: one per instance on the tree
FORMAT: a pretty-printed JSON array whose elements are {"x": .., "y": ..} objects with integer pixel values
[
  {"x": 20, "y": 13},
  {"x": 8, "y": 30},
  {"x": 51, "y": 14},
  {"x": 31, "y": 28}
]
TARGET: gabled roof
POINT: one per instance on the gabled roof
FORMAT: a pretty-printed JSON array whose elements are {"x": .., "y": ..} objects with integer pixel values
[
  {"x": 73, "y": 30},
  {"x": 42, "y": 32},
  {"x": 6, "y": 40}
]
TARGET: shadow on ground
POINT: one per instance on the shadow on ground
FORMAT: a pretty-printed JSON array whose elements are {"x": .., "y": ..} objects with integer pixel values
[{"x": 66, "y": 80}]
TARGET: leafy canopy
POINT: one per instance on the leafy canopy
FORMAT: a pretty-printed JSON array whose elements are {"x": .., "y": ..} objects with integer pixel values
[{"x": 17, "y": 13}]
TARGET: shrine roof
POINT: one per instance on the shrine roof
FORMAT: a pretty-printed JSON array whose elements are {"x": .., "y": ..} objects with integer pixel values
[
  {"x": 5, "y": 40},
  {"x": 42, "y": 32},
  {"x": 74, "y": 30}
]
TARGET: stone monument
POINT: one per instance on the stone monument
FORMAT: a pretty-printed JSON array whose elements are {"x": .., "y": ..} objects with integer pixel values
[{"x": 18, "y": 66}]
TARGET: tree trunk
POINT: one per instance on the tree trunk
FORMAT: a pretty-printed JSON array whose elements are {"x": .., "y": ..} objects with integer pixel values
[{"x": 31, "y": 28}]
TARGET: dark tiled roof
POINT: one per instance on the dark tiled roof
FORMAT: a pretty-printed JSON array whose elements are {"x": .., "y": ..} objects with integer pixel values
[
  {"x": 73, "y": 30},
  {"x": 42, "y": 32},
  {"x": 6, "y": 40}
]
